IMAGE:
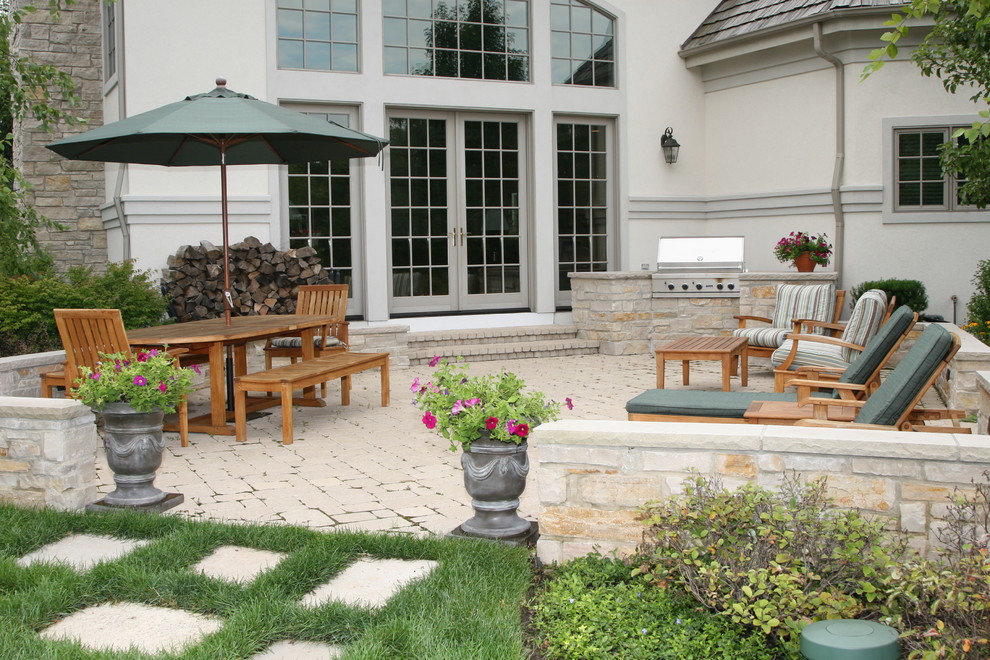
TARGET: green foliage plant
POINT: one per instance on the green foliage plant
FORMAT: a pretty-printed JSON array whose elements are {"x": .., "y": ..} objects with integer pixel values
[
  {"x": 909, "y": 292},
  {"x": 147, "y": 380},
  {"x": 955, "y": 51},
  {"x": 29, "y": 90},
  {"x": 979, "y": 305},
  {"x": 592, "y": 609},
  {"x": 462, "y": 408},
  {"x": 28, "y": 326},
  {"x": 773, "y": 560}
]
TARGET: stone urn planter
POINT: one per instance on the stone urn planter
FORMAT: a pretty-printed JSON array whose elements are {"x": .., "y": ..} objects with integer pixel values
[
  {"x": 495, "y": 476},
  {"x": 134, "y": 444}
]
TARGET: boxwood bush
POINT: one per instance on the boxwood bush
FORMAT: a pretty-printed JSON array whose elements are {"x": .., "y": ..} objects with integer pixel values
[
  {"x": 909, "y": 292},
  {"x": 28, "y": 326}
]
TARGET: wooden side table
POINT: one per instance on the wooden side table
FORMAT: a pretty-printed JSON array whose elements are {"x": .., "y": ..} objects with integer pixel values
[
  {"x": 789, "y": 412},
  {"x": 731, "y": 351}
]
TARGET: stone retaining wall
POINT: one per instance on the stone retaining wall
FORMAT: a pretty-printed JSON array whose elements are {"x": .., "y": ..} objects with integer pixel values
[
  {"x": 592, "y": 475},
  {"x": 47, "y": 453}
]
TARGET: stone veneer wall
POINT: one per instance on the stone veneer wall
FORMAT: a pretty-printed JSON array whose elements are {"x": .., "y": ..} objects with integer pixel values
[
  {"x": 47, "y": 453},
  {"x": 592, "y": 475},
  {"x": 618, "y": 309},
  {"x": 67, "y": 191}
]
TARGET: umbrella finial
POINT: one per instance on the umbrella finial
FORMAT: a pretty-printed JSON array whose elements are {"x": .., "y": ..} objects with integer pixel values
[{"x": 221, "y": 82}]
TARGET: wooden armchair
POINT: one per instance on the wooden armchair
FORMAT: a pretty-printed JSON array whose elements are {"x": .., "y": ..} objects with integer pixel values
[
  {"x": 328, "y": 299},
  {"x": 795, "y": 303},
  {"x": 85, "y": 334}
]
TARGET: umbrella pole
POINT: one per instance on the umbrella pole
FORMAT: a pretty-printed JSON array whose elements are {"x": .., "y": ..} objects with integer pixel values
[{"x": 228, "y": 298}]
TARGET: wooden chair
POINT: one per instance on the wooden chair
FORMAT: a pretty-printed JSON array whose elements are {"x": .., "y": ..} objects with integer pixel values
[
  {"x": 795, "y": 303},
  {"x": 325, "y": 299},
  {"x": 805, "y": 349},
  {"x": 86, "y": 333}
]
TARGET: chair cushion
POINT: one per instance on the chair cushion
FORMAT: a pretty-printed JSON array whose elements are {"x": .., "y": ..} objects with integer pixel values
[
  {"x": 767, "y": 337},
  {"x": 877, "y": 348},
  {"x": 796, "y": 301},
  {"x": 815, "y": 355},
  {"x": 296, "y": 342},
  {"x": 904, "y": 383},
  {"x": 864, "y": 322},
  {"x": 699, "y": 403}
]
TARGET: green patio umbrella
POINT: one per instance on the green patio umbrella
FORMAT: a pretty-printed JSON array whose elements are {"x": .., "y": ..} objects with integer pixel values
[{"x": 222, "y": 127}]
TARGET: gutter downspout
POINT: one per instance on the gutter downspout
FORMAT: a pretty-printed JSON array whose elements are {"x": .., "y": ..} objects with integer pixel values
[
  {"x": 118, "y": 205},
  {"x": 840, "y": 146}
]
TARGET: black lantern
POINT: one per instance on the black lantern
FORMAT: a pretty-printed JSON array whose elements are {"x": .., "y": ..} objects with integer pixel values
[{"x": 669, "y": 145}]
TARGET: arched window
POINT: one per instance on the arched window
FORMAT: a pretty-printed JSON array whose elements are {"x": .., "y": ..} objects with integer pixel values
[{"x": 583, "y": 44}]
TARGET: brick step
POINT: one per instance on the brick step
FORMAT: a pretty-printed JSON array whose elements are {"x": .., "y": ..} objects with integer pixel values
[
  {"x": 504, "y": 350},
  {"x": 488, "y": 336}
]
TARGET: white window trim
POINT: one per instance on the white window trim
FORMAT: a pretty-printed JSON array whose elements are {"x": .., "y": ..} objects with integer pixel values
[{"x": 920, "y": 216}]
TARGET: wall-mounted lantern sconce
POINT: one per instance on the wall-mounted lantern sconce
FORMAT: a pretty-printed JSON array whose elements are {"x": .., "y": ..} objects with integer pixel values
[{"x": 669, "y": 145}]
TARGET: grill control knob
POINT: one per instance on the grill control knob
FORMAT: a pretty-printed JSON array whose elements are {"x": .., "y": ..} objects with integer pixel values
[
  {"x": 670, "y": 286},
  {"x": 731, "y": 287},
  {"x": 719, "y": 286},
  {"x": 698, "y": 287},
  {"x": 684, "y": 286}
]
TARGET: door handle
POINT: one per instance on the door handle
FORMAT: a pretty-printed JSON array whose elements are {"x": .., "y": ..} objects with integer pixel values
[
  {"x": 462, "y": 236},
  {"x": 453, "y": 237}
]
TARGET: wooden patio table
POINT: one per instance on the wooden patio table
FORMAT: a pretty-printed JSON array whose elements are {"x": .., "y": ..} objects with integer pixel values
[
  {"x": 214, "y": 335},
  {"x": 730, "y": 351}
]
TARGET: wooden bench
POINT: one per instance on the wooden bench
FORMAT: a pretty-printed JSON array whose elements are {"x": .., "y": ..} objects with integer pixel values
[{"x": 308, "y": 373}]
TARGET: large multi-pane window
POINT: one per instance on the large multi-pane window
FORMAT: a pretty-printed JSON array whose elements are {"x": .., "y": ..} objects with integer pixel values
[
  {"x": 582, "y": 44},
  {"x": 582, "y": 199},
  {"x": 318, "y": 34},
  {"x": 920, "y": 182},
  {"x": 109, "y": 40},
  {"x": 486, "y": 39},
  {"x": 319, "y": 196}
]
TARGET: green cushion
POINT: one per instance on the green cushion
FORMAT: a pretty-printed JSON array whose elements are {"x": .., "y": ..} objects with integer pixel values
[
  {"x": 700, "y": 403},
  {"x": 904, "y": 383},
  {"x": 899, "y": 323}
]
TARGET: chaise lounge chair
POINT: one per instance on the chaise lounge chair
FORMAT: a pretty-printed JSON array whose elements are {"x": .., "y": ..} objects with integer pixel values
[
  {"x": 805, "y": 349},
  {"x": 855, "y": 382}
]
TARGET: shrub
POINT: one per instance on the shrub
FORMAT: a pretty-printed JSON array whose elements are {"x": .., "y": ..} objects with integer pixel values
[
  {"x": 28, "y": 326},
  {"x": 772, "y": 560},
  {"x": 592, "y": 609},
  {"x": 979, "y": 305},
  {"x": 909, "y": 292}
]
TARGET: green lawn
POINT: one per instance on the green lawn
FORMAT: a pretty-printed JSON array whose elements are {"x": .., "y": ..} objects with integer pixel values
[{"x": 469, "y": 607}]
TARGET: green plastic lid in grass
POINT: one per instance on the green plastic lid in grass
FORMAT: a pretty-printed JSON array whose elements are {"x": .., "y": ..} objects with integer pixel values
[{"x": 849, "y": 639}]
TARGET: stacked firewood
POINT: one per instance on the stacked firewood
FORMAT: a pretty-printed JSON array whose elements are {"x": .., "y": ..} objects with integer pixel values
[{"x": 263, "y": 279}]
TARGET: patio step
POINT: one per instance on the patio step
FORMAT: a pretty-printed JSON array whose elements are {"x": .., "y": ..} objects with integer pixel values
[{"x": 499, "y": 343}]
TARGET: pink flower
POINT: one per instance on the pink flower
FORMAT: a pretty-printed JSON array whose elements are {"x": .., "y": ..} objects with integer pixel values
[
  {"x": 153, "y": 352},
  {"x": 140, "y": 380},
  {"x": 162, "y": 386},
  {"x": 415, "y": 385},
  {"x": 435, "y": 361},
  {"x": 195, "y": 368},
  {"x": 569, "y": 403},
  {"x": 491, "y": 423},
  {"x": 458, "y": 407},
  {"x": 429, "y": 421},
  {"x": 142, "y": 357},
  {"x": 470, "y": 403},
  {"x": 95, "y": 375},
  {"x": 511, "y": 426},
  {"x": 522, "y": 430}
]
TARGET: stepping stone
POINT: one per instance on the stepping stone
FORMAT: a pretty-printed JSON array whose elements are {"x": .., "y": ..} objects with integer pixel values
[
  {"x": 123, "y": 626},
  {"x": 369, "y": 582},
  {"x": 238, "y": 564},
  {"x": 289, "y": 649},
  {"x": 81, "y": 551}
]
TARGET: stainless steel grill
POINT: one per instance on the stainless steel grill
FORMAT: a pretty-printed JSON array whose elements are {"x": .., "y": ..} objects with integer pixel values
[{"x": 693, "y": 265}]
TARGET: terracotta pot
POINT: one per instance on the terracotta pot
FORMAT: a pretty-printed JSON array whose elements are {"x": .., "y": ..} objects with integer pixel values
[{"x": 804, "y": 263}]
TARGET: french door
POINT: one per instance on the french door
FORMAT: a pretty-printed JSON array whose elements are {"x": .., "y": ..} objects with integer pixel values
[{"x": 457, "y": 199}]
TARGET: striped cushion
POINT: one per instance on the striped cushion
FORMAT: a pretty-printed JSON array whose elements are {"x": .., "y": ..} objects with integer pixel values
[
  {"x": 815, "y": 355},
  {"x": 768, "y": 337},
  {"x": 794, "y": 301},
  {"x": 296, "y": 342},
  {"x": 864, "y": 322}
]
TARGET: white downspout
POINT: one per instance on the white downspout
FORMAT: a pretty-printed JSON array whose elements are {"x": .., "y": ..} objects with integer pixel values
[
  {"x": 125, "y": 230},
  {"x": 840, "y": 147}
]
